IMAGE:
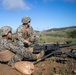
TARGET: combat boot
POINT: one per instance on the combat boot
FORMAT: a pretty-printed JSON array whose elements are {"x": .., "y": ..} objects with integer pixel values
[{"x": 40, "y": 55}]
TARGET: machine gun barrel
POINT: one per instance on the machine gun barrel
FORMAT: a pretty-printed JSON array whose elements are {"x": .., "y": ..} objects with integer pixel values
[{"x": 66, "y": 45}]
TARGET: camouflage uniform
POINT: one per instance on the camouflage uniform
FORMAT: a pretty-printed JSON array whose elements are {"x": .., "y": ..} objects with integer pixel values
[
  {"x": 28, "y": 34},
  {"x": 20, "y": 53}
]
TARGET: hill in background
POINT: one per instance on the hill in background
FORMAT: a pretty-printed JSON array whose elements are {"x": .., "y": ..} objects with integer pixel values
[
  {"x": 60, "y": 32},
  {"x": 64, "y": 28},
  {"x": 55, "y": 34}
]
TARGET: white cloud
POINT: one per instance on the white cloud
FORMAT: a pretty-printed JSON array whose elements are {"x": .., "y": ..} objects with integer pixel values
[{"x": 14, "y": 5}]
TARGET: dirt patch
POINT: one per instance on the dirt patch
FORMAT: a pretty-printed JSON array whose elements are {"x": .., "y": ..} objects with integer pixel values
[{"x": 6, "y": 70}]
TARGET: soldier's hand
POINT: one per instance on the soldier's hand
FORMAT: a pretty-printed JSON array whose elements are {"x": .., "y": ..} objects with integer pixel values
[
  {"x": 32, "y": 39},
  {"x": 27, "y": 42}
]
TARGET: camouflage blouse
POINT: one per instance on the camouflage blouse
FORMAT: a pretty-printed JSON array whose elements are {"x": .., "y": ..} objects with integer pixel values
[{"x": 26, "y": 34}]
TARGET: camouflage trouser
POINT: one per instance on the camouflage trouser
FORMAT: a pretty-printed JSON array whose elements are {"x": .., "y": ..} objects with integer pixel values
[
  {"x": 16, "y": 58},
  {"x": 25, "y": 55},
  {"x": 30, "y": 56}
]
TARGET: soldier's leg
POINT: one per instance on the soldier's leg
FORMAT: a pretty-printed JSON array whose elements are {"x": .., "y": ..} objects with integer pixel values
[
  {"x": 16, "y": 58},
  {"x": 31, "y": 56}
]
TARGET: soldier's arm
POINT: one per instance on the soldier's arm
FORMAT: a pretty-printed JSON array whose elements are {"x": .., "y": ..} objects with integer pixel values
[
  {"x": 15, "y": 49},
  {"x": 26, "y": 54}
]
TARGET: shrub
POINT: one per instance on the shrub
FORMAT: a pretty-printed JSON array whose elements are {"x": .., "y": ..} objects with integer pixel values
[{"x": 71, "y": 34}]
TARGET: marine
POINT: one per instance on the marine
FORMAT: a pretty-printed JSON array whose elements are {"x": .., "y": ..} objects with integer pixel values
[
  {"x": 19, "y": 53},
  {"x": 25, "y": 34}
]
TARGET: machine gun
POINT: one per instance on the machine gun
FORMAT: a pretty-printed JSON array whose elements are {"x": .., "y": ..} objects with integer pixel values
[
  {"x": 53, "y": 49},
  {"x": 50, "y": 47}
]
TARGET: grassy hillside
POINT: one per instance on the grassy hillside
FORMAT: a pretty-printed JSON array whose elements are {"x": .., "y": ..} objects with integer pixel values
[{"x": 55, "y": 35}]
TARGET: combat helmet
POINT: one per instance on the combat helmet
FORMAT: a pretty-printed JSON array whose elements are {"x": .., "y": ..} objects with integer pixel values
[
  {"x": 5, "y": 30},
  {"x": 26, "y": 19}
]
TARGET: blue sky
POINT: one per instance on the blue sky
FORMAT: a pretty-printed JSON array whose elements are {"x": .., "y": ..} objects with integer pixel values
[{"x": 45, "y": 14}]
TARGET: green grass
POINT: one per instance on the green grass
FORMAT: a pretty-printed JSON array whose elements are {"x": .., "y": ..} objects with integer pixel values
[{"x": 54, "y": 39}]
